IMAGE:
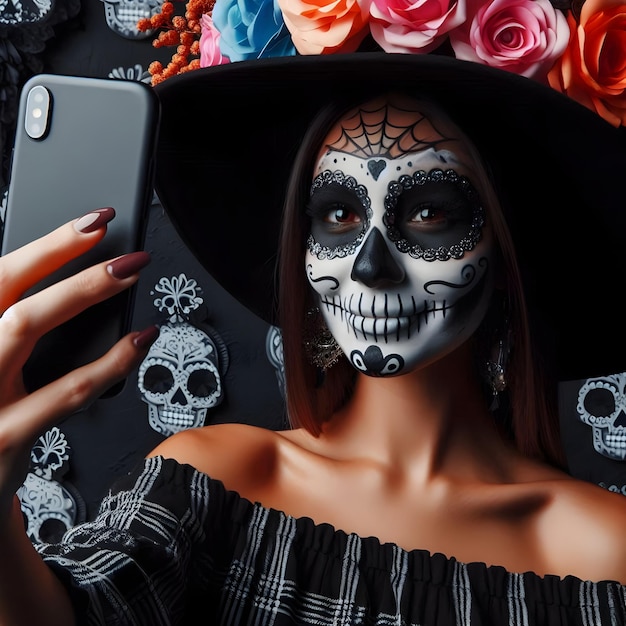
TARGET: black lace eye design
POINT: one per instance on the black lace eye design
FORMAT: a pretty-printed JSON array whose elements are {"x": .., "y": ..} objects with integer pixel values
[
  {"x": 435, "y": 215},
  {"x": 340, "y": 212}
]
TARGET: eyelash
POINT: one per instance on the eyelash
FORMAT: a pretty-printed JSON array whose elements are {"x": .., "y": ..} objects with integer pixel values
[
  {"x": 439, "y": 214},
  {"x": 330, "y": 216},
  {"x": 443, "y": 212},
  {"x": 321, "y": 209}
]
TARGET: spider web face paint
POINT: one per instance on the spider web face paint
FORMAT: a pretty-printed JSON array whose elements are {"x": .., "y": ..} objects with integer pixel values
[
  {"x": 398, "y": 252},
  {"x": 381, "y": 129}
]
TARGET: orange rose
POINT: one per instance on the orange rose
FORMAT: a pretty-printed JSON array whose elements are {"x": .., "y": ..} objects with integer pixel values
[
  {"x": 592, "y": 70},
  {"x": 322, "y": 27}
]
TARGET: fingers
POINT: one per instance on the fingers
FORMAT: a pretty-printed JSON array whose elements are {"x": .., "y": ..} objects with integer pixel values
[
  {"x": 24, "y": 322},
  {"x": 80, "y": 388},
  {"x": 23, "y": 420},
  {"x": 23, "y": 268}
]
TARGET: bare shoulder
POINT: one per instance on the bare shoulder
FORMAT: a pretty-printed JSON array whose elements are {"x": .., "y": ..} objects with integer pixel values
[
  {"x": 583, "y": 529},
  {"x": 239, "y": 455}
]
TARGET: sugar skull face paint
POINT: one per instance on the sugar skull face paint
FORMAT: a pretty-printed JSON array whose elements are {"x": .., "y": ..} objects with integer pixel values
[{"x": 399, "y": 252}]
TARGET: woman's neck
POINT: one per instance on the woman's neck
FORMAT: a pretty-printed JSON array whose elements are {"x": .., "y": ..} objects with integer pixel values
[{"x": 429, "y": 422}]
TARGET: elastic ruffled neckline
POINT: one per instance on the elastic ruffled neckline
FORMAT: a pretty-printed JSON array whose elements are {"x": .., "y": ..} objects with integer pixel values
[{"x": 322, "y": 541}]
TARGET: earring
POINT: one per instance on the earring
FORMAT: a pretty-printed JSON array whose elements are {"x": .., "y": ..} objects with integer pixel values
[
  {"x": 320, "y": 346},
  {"x": 496, "y": 370},
  {"x": 497, "y": 364}
]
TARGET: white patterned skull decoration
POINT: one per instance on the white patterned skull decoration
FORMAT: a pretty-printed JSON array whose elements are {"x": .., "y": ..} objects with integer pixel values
[
  {"x": 49, "y": 507},
  {"x": 122, "y": 16},
  {"x": 275, "y": 355},
  {"x": 179, "y": 378},
  {"x": 602, "y": 405}
]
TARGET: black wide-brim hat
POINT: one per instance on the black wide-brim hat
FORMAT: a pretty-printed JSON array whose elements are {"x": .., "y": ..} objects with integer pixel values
[{"x": 229, "y": 135}]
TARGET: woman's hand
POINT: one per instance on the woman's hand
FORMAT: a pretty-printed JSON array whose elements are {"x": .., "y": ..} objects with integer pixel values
[{"x": 24, "y": 416}]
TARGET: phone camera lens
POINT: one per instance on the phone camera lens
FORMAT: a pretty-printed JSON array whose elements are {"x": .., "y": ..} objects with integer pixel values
[{"x": 37, "y": 112}]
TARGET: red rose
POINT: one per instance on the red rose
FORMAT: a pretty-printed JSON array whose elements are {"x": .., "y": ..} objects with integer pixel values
[{"x": 592, "y": 70}]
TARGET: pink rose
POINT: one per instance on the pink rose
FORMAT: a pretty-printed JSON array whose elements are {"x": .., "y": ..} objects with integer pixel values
[
  {"x": 593, "y": 69},
  {"x": 210, "y": 53},
  {"x": 322, "y": 27},
  {"x": 521, "y": 36},
  {"x": 413, "y": 27}
]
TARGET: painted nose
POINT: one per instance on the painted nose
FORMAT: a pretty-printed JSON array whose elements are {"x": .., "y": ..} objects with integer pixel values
[{"x": 374, "y": 265}]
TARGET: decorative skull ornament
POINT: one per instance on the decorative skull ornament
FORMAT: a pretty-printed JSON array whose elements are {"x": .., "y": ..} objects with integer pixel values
[
  {"x": 49, "y": 507},
  {"x": 21, "y": 12},
  {"x": 180, "y": 379},
  {"x": 122, "y": 16},
  {"x": 399, "y": 253},
  {"x": 602, "y": 405},
  {"x": 274, "y": 352}
]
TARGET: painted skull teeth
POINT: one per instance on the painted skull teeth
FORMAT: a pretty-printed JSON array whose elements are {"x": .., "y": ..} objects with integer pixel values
[
  {"x": 179, "y": 418},
  {"x": 384, "y": 324},
  {"x": 617, "y": 438}
]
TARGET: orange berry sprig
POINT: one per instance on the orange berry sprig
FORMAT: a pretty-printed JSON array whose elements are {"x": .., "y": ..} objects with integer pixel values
[{"x": 182, "y": 32}]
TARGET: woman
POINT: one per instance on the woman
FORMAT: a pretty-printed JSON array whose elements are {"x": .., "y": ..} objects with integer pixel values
[{"x": 397, "y": 497}]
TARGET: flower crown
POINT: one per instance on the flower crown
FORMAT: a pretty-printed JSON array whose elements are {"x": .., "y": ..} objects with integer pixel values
[{"x": 577, "y": 47}]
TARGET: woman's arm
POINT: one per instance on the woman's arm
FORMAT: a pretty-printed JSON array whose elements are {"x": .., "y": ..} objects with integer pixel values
[{"x": 29, "y": 592}]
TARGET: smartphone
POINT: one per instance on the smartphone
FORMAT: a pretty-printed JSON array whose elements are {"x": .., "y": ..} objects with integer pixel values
[{"x": 80, "y": 144}]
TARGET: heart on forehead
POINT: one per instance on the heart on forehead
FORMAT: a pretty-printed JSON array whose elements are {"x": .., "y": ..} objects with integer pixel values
[{"x": 376, "y": 167}]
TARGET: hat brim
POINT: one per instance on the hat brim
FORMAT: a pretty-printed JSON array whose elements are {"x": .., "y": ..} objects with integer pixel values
[{"x": 229, "y": 135}]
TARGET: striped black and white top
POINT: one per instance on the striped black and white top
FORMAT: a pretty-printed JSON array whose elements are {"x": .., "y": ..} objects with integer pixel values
[{"x": 173, "y": 546}]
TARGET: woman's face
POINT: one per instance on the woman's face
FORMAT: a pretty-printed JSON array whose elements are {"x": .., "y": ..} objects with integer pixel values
[{"x": 399, "y": 252}]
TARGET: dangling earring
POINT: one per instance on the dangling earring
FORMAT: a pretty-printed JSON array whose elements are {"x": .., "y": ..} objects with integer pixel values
[
  {"x": 496, "y": 370},
  {"x": 498, "y": 359},
  {"x": 320, "y": 346}
]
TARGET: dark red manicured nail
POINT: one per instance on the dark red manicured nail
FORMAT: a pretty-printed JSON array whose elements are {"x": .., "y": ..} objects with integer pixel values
[
  {"x": 129, "y": 264},
  {"x": 146, "y": 337},
  {"x": 94, "y": 220}
]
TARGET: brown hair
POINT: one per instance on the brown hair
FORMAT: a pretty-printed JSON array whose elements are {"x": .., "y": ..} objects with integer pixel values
[{"x": 311, "y": 399}]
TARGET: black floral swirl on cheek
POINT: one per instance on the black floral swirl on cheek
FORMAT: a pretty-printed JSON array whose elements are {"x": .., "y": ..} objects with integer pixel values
[
  {"x": 332, "y": 279},
  {"x": 468, "y": 273}
]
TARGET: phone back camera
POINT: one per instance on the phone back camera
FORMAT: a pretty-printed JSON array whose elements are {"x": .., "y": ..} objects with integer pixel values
[{"x": 37, "y": 112}]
